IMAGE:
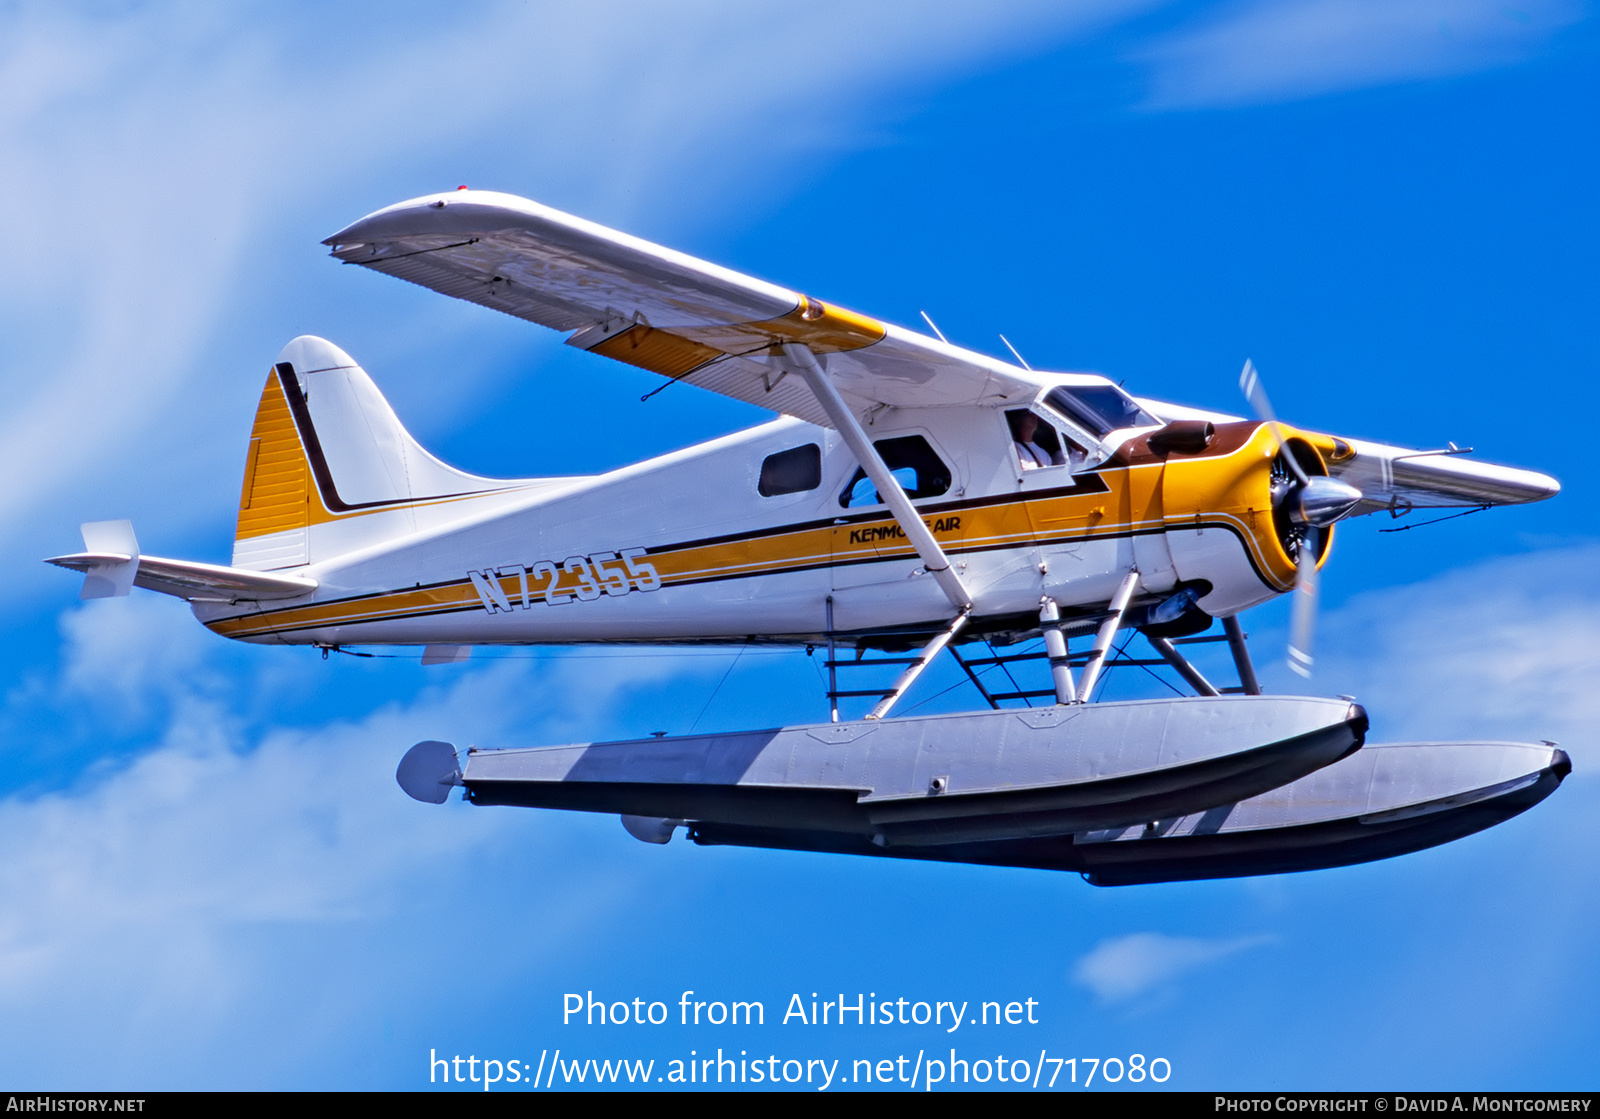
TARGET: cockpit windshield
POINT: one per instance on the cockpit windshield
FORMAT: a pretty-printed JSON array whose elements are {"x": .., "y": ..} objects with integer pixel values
[{"x": 1099, "y": 409}]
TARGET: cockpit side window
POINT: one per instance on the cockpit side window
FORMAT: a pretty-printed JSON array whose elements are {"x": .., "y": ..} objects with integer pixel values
[
  {"x": 1099, "y": 409},
  {"x": 793, "y": 471},
  {"x": 920, "y": 472},
  {"x": 1038, "y": 443}
]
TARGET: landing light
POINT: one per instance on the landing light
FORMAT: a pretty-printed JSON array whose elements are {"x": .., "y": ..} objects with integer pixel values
[{"x": 1173, "y": 608}]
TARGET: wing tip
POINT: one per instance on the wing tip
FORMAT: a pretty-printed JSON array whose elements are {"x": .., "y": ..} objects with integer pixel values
[{"x": 355, "y": 234}]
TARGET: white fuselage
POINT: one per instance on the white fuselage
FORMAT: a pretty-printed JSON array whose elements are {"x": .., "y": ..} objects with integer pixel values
[{"x": 684, "y": 548}]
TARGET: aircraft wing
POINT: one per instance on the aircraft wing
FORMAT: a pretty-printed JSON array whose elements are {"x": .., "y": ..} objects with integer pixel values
[
  {"x": 664, "y": 311},
  {"x": 1396, "y": 479}
]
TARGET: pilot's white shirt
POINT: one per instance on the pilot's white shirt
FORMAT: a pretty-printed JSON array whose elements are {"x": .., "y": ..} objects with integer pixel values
[{"x": 1033, "y": 455}]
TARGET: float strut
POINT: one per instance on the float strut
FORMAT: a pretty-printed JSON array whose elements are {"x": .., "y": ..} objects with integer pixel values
[
  {"x": 1177, "y": 660},
  {"x": 914, "y": 669},
  {"x": 833, "y": 673},
  {"x": 1107, "y": 634},
  {"x": 1241, "y": 655},
  {"x": 1055, "y": 647}
]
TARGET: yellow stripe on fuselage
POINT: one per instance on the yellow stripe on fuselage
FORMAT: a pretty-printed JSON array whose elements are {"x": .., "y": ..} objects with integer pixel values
[{"x": 1226, "y": 490}]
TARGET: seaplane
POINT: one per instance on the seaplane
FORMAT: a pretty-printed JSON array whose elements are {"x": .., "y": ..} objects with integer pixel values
[{"x": 913, "y": 498}]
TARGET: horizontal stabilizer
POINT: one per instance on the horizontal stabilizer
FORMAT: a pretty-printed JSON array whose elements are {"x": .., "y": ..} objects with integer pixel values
[{"x": 185, "y": 579}]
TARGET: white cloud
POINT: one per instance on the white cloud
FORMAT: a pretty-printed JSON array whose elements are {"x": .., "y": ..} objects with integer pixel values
[
  {"x": 1282, "y": 50},
  {"x": 1126, "y": 967},
  {"x": 170, "y": 167},
  {"x": 232, "y": 907},
  {"x": 223, "y": 882},
  {"x": 124, "y": 652},
  {"x": 1501, "y": 650}
]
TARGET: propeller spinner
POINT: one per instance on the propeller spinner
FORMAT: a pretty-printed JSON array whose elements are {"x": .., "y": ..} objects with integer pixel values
[{"x": 1312, "y": 502}]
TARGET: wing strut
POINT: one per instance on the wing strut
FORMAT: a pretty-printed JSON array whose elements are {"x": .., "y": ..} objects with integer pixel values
[{"x": 800, "y": 359}]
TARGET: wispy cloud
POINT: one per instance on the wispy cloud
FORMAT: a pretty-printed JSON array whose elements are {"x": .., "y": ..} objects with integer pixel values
[
  {"x": 173, "y": 165},
  {"x": 121, "y": 654},
  {"x": 1126, "y": 967},
  {"x": 1281, "y": 50},
  {"x": 1501, "y": 650},
  {"x": 226, "y": 879}
]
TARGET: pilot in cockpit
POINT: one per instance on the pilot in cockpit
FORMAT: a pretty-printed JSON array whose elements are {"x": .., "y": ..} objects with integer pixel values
[{"x": 1028, "y": 437}]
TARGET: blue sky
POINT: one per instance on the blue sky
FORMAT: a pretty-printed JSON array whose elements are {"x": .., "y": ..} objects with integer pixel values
[{"x": 209, "y": 878}]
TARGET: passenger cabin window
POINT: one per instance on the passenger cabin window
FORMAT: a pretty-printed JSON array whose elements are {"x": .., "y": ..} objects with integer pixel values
[
  {"x": 920, "y": 472},
  {"x": 792, "y": 471}
]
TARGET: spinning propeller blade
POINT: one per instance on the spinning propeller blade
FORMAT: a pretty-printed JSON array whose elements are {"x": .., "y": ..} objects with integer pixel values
[
  {"x": 1303, "y": 611},
  {"x": 1314, "y": 503},
  {"x": 1256, "y": 393}
]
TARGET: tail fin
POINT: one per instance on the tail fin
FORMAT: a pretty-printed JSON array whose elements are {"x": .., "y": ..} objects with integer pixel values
[{"x": 330, "y": 468}]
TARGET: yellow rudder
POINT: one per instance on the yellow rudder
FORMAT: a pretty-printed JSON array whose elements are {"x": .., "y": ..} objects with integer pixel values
[{"x": 276, "y": 494}]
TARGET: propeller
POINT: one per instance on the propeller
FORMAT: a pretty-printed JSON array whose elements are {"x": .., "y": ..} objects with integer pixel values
[
  {"x": 1303, "y": 607},
  {"x": 1312, "y": 503}
]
